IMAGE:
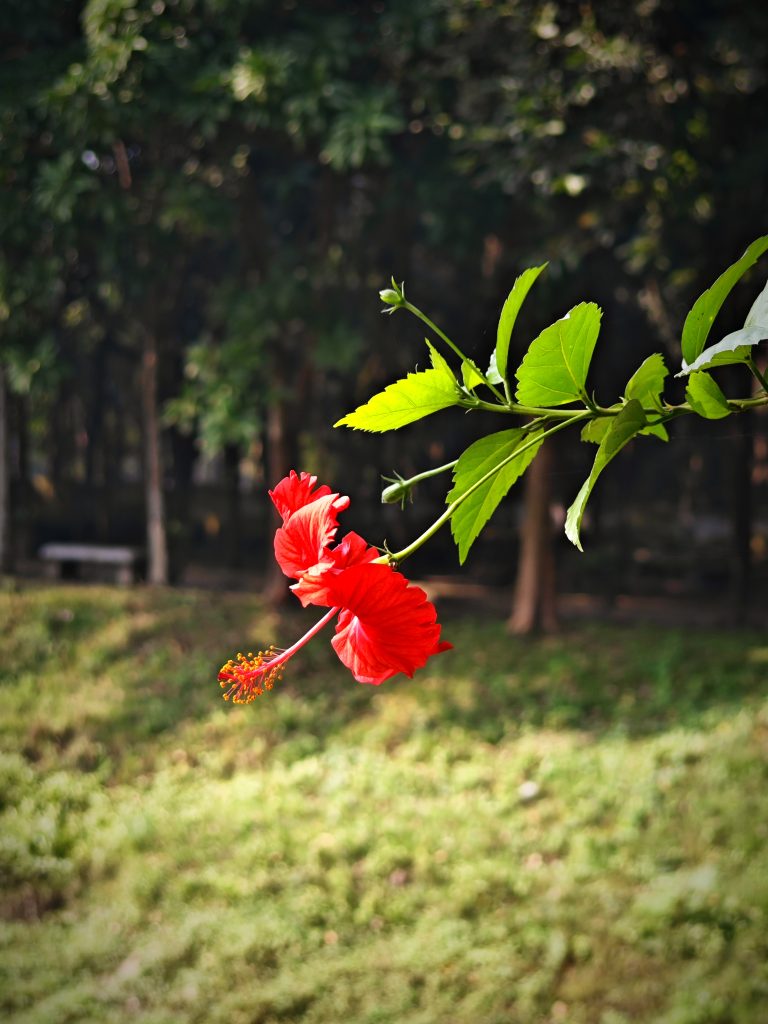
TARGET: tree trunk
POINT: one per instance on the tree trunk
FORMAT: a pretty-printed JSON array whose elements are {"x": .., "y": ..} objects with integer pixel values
[
  {"x": 534, "y": 605},
  {"x": 157, "y": 544},
  {"x": 234, "y": 518},
  {"x": 278, "y": 460},
  {"x": 5, "y": 480},
  {"x": 180, "y": 501},
  {"x": 96, "y": 458}
]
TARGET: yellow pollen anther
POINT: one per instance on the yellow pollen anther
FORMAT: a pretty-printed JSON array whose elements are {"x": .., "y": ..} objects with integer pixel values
[{"x": 246, "y": 677}]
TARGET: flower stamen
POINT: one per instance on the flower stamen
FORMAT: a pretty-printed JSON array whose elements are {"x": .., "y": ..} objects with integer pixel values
[{"x": 246, "y": 676}]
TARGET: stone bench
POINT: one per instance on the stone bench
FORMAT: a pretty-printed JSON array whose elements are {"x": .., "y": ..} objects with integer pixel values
[{"x": 64, "y": 559}]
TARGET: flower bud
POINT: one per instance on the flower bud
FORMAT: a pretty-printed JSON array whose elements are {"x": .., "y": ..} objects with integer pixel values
[
  {"x": 393, "y": 297},
  {"x": 398, "y": 492}
]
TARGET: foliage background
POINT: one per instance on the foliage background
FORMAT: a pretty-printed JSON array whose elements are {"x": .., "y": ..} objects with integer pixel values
[{"x": 229, "y": 183}]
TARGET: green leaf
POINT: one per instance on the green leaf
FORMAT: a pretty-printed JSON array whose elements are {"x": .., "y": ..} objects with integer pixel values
[
  {"x": 407, "y": 400},
  {"x": 701, "y": 317},
  {"x": 647, "y": 382},
  {"x": 492, "y": 373},
  {"x": 735, "y": 347},
  {"x": 471, "y": 375},
  {"x": 509, "y": 312},
  {"x": 492, "y": 451},
  {"x": 626, "y": 425},
  {"x": 596, "y": 429},
  {"x": 439, "y": 362},
  {"x": 705, "y": 397},
  {"x": 656, "y": 430},
  {"x": 646, "y": 385},
  {"x": 758, "y": 313},
  {"x": 554, "y": 370}
]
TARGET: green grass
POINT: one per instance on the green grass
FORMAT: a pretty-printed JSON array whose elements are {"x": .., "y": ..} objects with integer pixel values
[{"x": 339, "y": 853}]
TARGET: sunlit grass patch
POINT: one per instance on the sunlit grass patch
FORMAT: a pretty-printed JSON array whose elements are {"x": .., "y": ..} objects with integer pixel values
[{"x": 567, "y": 829}]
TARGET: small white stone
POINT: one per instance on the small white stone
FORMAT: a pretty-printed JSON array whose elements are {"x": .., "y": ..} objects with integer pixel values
[{"x": 528, "y": 790}]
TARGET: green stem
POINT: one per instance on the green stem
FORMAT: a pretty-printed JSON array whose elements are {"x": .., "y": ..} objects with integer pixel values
[
  {"x": 455, "y": 348},
  {"x": 738, "y": 404},
  {"x": 756, "y": 372},
  {"x": 399, "y": 488},
  {"x": 749, "y": 403},
  {"x": 532, "y": 410},
  {"x": 429, "y": 473},
  {"x": 400, "y": 556},
  {"x": 667, "y": 412}
]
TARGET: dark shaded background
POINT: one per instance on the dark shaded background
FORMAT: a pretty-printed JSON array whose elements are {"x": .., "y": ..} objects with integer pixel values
[{"x": 201, "y": 199}]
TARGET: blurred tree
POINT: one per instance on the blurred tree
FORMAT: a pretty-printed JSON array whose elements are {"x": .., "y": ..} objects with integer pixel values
[{"x": 224, "y": 184}]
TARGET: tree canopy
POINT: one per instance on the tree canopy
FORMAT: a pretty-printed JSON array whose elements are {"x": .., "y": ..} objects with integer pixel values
[{"x": 237, "y": 178}]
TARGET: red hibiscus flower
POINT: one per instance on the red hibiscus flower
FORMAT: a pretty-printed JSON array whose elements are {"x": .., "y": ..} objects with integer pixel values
[{"x": 385, "y": 625}]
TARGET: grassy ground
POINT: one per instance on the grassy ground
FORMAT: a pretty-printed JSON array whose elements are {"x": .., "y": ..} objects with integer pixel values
[{"x": 570, "y": 830}]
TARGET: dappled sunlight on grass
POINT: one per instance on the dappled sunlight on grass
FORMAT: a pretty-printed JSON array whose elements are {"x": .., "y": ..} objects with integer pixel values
[{"x": 572, "y": 828}]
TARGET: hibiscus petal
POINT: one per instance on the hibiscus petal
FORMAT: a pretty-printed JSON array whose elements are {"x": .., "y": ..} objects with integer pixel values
[
  {"x": 301, "y": 542},
  {"x": 314, "y": 586},
  {"x": 352, "y": 549},
  {"x": 295, "y": 491},
  {"x": 386, "y": 625}
]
